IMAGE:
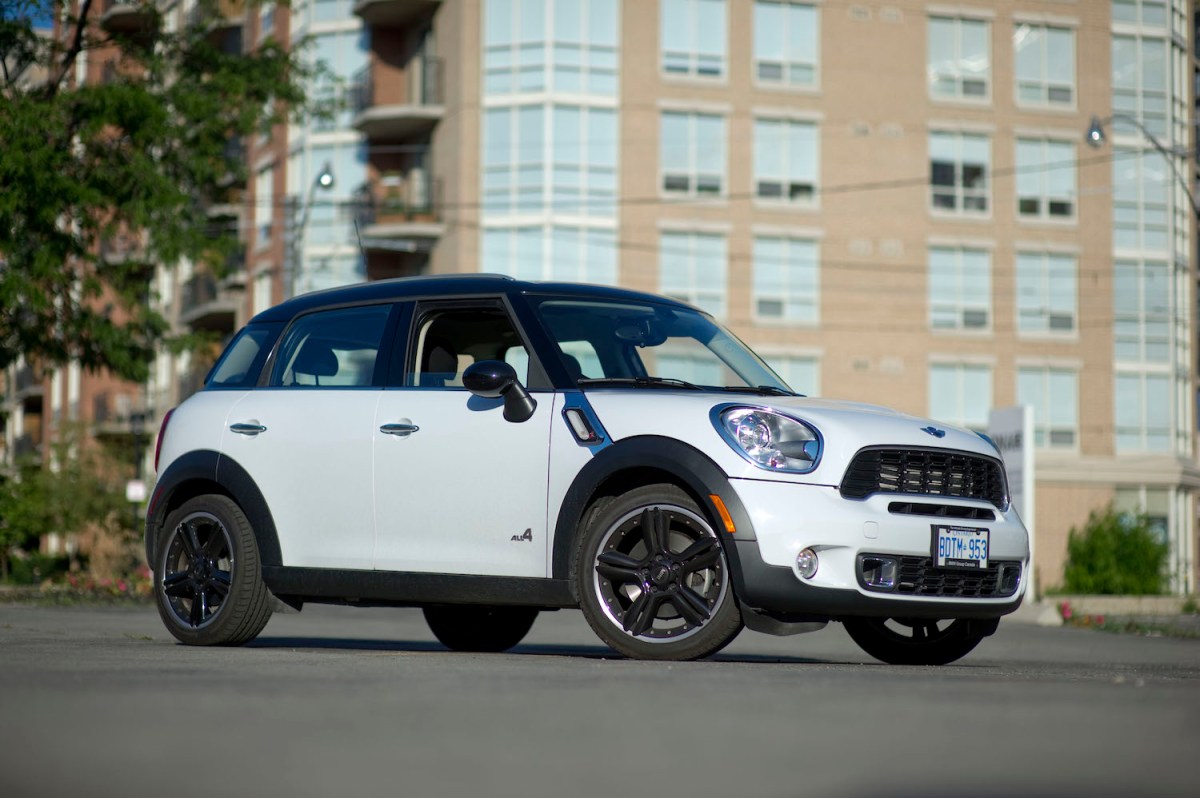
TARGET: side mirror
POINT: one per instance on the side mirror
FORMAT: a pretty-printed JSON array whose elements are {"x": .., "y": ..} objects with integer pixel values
[{"x": 495, "y": 379}]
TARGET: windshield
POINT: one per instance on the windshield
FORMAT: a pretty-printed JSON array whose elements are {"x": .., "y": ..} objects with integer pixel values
[{"x": 640, "y": 344}]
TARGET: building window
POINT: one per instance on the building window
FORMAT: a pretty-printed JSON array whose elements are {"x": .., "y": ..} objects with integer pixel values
[
  {"x": 1054, "y": 395},
  {"x": 1046, "y": 292},
  {"x": 960, "y": 394},
  {"x": 692, "y": 269},
  {"x": 1140, "y": 201},
  {"x": 786, "y": 280},
  {"x": 552, "y": 252},
  {"x": 1153, "y": 503},
  {"x": 1139, "y": 84},
  {"x": 958, "y": 63},
  {"x": 785, "y": 160},
  {"x": 1141, "y": 311},
  {"x": 786, "y": 43},
  {"x": 344, "y": 54},
  {"x": 1045, "y": 59},
  {"x": 958, "y": 167},
  {"x": 801, "y": 372},
  {"x": 1140, "y": 12},
  {"x": 567, "y": 46},
  {"x": 574, "y": 156},
  {"x": 1143, "y": 412},
  {"x": 692, "y": 154},
  {"x": 1045, "y": 179},
  {"x": 960, "y": 288},
  {"x": 264, "y": 206},
  {"x": 693, "y": 37}
]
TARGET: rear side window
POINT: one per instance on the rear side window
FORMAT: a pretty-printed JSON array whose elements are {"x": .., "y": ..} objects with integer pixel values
[
  {"x": 242, "y": 360},
  {"x": 331, "y": 349}
]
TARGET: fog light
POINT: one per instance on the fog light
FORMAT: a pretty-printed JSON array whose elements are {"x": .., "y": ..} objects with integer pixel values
[
  {"x": 806, "y": 563},
  {"x": 879, "y": 572}
]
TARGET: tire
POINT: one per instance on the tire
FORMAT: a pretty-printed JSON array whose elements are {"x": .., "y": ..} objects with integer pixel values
[
  {"x": 208, "y": 584},
  {"x": 906, "y": 641},
  {"x": 652, "y": 577},
  {"x": 478, "y": 627}
]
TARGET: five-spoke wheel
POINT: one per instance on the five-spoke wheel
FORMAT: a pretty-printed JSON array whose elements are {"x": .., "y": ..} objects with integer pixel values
[
  {"x": 207, "y": 581},
  {"x": 652, "y": 577}
]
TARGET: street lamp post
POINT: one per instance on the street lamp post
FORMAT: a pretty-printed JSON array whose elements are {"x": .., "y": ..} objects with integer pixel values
[
  {"x": 1095, "y": 138},
  {"x": 295, "y": 245}
]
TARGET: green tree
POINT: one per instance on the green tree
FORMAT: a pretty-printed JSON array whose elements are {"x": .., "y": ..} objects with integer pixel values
[
  {"x": 1116, "y": 554},
  {"x": 140, "y": 154},
  {"x": 84, "y": 488}
]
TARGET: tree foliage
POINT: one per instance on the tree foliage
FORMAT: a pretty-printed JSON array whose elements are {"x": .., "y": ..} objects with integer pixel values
[
  {"x": 136, "y": 157},
  {"x": 85, "y": 486},
  {"x": 1116, "y": 554}
]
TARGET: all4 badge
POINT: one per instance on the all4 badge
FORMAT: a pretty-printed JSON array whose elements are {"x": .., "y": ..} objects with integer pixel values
[{"x": 526, "y": 535}]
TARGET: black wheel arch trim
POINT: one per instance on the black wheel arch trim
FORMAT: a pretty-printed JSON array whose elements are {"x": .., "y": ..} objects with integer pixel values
[
  {"x": 690, "y": 468},
  {"x": 205, "y": 467}
]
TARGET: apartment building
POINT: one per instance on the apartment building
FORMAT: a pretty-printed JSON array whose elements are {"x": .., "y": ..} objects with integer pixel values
[{"x": 896, "y": 202}]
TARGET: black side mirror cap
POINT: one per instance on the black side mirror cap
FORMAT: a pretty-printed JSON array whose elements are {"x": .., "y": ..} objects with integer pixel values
[{"x": 495, "y": 379}]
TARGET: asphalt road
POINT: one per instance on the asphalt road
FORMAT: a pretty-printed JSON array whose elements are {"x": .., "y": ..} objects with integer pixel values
[{"x": 338, "y": 702}]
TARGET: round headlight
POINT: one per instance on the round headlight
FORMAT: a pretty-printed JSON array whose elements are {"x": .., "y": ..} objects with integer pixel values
[{"x": 771, "y": 440}]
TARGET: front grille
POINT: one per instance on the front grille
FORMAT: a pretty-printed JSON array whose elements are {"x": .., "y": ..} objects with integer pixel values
[
  {"x": 942, "y": 511},
  {"x": 917, "y": 577},
  {"x": 925, "y": 472}
]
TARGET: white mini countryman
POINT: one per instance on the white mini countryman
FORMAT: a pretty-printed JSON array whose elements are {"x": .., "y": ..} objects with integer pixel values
[{"x": 486, "y": 448}]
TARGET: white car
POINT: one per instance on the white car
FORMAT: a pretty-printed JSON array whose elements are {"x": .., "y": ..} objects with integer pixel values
[{"x": 486, "y": 448}]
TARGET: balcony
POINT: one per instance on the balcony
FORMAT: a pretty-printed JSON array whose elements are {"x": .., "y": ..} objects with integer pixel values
[
  {"x": 394, "y": 13},
  {"x": 229, "y": 204},
  {"x": 116, "y": 415},
  {"x": 414, "y": 116},
  {"x": 225, "y": 27},
  {"x": 27, "y": 383},
  {"x": 129, "y": 17},
  {"x": 205, "y": 305},
  {"x": 400, "y": 213}
]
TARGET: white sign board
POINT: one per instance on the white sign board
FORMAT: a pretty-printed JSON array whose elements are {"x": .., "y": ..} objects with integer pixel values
[
  {"x": 135, "y": 491},
  {"x": 1011, "y": 428}
]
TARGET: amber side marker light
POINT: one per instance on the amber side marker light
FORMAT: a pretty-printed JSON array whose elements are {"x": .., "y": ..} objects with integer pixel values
[{"x": 724, "y": 513}]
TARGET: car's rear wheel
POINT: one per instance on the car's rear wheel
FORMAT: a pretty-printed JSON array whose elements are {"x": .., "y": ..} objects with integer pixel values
[
  {"x": 917, "y": 641},
  {"x": 652, "y": 577},
  {"x": 479, "y": 627},
  {"x": 208, "y": 584}
]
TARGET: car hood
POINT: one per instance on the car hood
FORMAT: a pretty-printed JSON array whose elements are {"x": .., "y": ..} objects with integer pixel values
[{"x": 845, "y": 427}]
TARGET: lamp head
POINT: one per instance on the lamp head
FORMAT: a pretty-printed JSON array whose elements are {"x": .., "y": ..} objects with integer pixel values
[
  {"x": 325, "y": 177},
  {"x": 1095, "y": 133}
]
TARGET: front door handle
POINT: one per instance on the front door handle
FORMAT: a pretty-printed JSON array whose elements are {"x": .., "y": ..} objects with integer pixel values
[
  {"x": 243, "y": 428},
  {"x": 403, "y": 430}
]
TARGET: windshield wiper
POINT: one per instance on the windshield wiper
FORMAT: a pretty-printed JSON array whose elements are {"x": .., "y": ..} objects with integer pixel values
[
  {"x": 641, "y": 382},
  {"x": 763, "y": 390}
]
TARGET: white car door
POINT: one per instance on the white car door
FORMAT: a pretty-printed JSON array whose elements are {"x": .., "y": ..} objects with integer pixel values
[
  {"x": 306, "y": 439},
  {"x": 458, "y": 489}
]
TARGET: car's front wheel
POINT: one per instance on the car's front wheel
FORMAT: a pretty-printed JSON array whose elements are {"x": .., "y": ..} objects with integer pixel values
[
  {"x": 469, "y": 627},
  {"x": 917, "y": 641},
  {"x": 208, "y": 584},
  {"x": 652, "y": 577}
]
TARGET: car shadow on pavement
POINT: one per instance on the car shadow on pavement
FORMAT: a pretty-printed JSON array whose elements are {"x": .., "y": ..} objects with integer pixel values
[{"x": 574, "y": 651}]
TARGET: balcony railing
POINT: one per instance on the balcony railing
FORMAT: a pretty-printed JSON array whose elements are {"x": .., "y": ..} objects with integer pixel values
[
  {"x": 424, "y": 86},
  {"x": 394, "y": 200},
  {"x": 204, "y": 305}
]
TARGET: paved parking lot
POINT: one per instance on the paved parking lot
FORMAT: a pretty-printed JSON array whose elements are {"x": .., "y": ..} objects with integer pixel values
[{"x": 359, "y": 702}]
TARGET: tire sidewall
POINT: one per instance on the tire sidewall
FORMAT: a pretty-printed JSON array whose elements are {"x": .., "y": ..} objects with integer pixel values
[{"x": 873, "y": 637}]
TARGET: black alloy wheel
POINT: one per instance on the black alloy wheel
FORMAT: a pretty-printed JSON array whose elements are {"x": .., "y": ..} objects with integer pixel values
[
  {"x": 208, "y": 583},
  {"x": 657, "y": 583}
]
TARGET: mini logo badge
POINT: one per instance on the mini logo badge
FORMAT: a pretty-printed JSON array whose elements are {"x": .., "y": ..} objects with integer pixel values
[
  {"x": 526, "y": 535},
  {"x": 934, "y": 431}
]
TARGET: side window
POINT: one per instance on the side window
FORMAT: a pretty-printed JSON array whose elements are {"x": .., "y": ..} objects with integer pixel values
[
  {"x": 448, "y": 341},
  {"x": 331, "y": 349},
  {"x": 242, "y": 360}
]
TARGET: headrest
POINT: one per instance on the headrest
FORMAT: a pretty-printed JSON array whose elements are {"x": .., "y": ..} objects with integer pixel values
[{"x": 316, "y": 358}]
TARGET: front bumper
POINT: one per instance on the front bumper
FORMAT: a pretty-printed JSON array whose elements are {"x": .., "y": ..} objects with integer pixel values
[{"x": 788, "y": 518}]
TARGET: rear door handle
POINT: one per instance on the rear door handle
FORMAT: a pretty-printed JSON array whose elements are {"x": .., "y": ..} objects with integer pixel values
[
  {"x": 243, "y": 428},
  {"x": 403, "y": 430}
]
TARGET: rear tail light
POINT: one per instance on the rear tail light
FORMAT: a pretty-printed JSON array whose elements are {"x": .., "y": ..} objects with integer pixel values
[{"x": 162, "y": 433}]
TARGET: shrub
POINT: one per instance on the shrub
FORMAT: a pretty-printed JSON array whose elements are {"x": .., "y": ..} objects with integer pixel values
[{"x": 1115, "y": 554}]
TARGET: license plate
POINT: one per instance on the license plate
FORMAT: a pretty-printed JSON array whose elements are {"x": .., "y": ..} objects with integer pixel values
[{"x": 959, "y": 547}]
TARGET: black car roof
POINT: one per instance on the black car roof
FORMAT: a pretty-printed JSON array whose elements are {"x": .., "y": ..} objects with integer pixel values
[{"x": 448, "y": 285}]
